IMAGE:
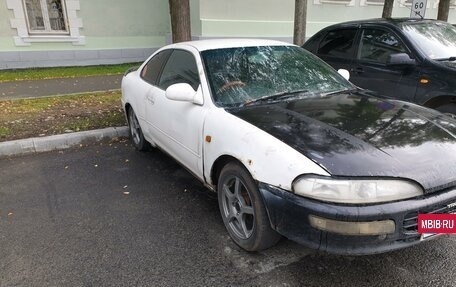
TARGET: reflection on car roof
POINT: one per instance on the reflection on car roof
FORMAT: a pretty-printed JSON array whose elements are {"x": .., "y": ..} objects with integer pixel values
[{"x": 203, "y": 45}]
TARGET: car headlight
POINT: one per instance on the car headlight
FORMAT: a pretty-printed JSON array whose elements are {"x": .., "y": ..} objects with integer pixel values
[{"x": 355, "y": 191}]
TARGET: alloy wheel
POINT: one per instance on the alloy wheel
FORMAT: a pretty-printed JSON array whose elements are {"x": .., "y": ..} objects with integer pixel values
[{"x": 237, "y": 207}]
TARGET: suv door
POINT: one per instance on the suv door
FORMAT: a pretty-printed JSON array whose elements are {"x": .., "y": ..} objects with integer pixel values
[
  {"x": 372, "y": 71},
  {"x": 337, "y": 48}
]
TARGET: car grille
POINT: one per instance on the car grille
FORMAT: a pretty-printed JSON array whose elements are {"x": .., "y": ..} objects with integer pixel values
[{"x": 410, "y": 224}]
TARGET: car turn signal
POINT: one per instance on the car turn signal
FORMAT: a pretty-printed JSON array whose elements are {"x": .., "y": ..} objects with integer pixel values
[{"x": 424, "y": 81}]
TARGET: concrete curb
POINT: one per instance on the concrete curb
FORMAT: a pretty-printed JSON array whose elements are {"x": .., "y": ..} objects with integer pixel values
[{"x": 57, "y": 142}]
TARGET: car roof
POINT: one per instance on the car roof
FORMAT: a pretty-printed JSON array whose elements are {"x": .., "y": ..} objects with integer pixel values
[
  {"x": 202, "y": 45},
  {"x": 383, "y": 21}
]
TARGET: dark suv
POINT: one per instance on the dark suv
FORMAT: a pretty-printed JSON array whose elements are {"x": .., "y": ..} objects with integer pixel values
[{"x": 412, "y": 60}]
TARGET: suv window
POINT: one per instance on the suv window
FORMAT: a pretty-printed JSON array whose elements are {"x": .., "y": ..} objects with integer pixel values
[
  {"x": 338, "y": 43},
  {"x": 180, "y": 68},
  {"x": 312, "y": 43},
  {"x": 152, "y": 69},
  {"x": 377, "y": 45}
]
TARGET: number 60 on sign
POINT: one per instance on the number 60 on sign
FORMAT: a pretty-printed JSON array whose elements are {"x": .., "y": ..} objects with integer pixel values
[{"x": 418, "y": 9}]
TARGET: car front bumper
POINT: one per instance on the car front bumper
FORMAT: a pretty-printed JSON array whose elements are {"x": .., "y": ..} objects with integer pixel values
[{"x": 289, "y": 215}]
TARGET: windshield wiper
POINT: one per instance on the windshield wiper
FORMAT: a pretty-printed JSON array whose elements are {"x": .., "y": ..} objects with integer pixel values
[
  {"x": 340, "y": 91},
  {"x": 450, "y": 59},
  {"x": 283, "y": 95}
]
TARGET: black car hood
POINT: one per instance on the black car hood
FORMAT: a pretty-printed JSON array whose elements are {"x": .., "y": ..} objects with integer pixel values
[{"x": 354, "y": 134}]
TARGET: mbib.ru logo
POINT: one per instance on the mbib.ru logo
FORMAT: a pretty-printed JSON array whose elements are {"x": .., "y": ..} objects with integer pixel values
[{"x": 436, "y": 223}]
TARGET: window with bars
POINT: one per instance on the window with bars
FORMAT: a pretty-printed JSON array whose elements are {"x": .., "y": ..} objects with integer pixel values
[{"x": 46, "y": 16}]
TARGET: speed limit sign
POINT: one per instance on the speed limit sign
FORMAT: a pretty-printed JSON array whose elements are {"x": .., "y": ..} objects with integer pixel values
[{"x": 418, "y": 9}]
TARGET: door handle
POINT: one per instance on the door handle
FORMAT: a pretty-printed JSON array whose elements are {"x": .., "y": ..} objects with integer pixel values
[{"x": 150, "y": 99}]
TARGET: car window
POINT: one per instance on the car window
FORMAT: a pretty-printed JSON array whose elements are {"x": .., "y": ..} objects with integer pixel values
[
  {"x": 377, "y": 45},
  {"x": 434, "y": 38},
  {"x": 180, "y": 68},
  {"x": 338, "y": 43},
  {"x": 312, "y": 43},
  {"x": 152, "y": 69},
  {"x": 241, "y": 75}
]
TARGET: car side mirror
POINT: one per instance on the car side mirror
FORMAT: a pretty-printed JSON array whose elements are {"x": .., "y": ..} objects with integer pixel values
[
  {"x": 183, "y": 92},
  {"x": 400, "y": 59},
  {"x": 344, "y": 73}
]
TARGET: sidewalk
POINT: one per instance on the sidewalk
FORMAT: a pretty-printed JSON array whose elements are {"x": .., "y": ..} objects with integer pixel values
[{"x": 51, "y": 87}]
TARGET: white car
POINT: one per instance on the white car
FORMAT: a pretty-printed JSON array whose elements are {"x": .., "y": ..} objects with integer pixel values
[{"x": 291, "y": 147}]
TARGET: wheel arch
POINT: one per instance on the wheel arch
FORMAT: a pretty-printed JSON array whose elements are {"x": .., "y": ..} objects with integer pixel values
[
  {"x": 127, "y": 108},
  {"x": 440, "y": 101},
  {"x": 219, "y": 164}
]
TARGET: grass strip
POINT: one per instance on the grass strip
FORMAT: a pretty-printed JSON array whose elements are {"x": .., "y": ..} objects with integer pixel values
[
  {"x": 62, "y": 72},
  {"x": 61, "y": 114}
]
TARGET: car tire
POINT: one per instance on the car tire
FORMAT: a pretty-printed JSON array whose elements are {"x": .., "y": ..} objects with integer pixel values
[
  {"x": 243, "y": 211},
  {"x": 136, "y": 134},
  {"x": 447, "y": 109}
]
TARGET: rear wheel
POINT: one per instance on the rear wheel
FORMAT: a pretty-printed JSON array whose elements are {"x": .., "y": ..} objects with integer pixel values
[
  {"x": 136, "y": 133},
  {"x": 243, "y": 210}
]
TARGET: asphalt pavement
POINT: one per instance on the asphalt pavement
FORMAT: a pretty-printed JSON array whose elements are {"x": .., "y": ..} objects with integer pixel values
[
  {"x": 107, "y": 215},
  {"x": 52, "y": 87}
]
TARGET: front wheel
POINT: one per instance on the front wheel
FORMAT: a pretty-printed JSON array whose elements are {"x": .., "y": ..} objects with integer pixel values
[
  {"x": 243, "y": 210},
  {"x": 136, "y": 133}
]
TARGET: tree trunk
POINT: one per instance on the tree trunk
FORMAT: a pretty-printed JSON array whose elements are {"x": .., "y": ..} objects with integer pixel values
[
  {"x": 180, "y": 20},
  {"x": 299, "y": 35},
  {"x": 388, "y": 9},
  {"x": 444, "y": 8}
]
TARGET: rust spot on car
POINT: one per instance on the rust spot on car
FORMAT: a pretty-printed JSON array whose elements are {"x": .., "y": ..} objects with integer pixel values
[
  {"x": 249, "y": 161},
  {"x": 208, "y": 139}
]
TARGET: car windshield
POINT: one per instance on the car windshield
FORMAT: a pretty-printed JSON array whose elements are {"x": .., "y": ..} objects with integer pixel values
[
  {"x": 239, "y": 76},
  {"x": 435, "y": 39}
]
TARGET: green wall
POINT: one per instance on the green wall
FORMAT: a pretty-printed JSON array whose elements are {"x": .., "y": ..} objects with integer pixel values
[
  {"x": 274, "y": 18},
  {"x": 125, "y": 24},
  {"x": 121, "y": 18},
  {"x": 134, "y": 28},
  {"x": 107, "y": 24},
  {"x": 5, "y": 16}
]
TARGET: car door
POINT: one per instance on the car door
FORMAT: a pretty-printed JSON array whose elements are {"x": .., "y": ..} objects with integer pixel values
[
  {"x": 337, "y": 47},
  {"x": 148, "y": 86},
  {"x": 178, "y": 126},
  {"x": 372, "y": 71}
]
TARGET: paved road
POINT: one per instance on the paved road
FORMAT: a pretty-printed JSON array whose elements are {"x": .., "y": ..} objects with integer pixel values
[
  {"x": 51, "y": 87},
  {"x": 65, "y": 220}
]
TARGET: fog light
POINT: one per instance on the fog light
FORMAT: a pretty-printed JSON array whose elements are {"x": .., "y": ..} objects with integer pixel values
[{"x": 353, "y": 228}]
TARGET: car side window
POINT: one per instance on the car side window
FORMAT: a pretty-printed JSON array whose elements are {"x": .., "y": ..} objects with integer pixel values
[
  {"x": 377, "y": 45},
  {"x": 338, "y": 43},
  {"x": 152, "y": 69},
  {"x": 312, "y": 43},
  {"x": 180, "y": 68}
]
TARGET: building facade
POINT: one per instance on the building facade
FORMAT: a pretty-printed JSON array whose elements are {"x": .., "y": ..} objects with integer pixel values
[{"x": 40, "y": 33}]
